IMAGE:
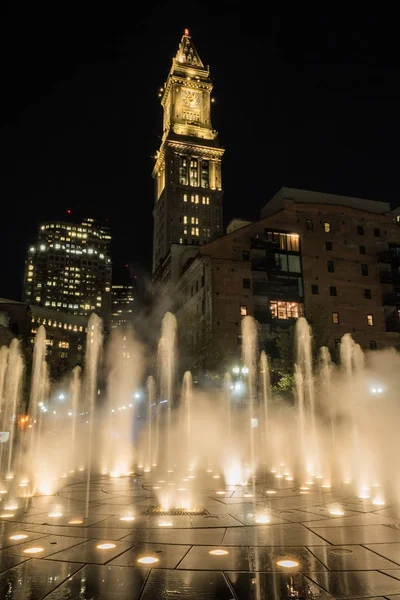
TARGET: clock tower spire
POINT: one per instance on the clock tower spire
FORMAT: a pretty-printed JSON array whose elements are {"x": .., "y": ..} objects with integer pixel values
[{"x": 187, "y": 171}]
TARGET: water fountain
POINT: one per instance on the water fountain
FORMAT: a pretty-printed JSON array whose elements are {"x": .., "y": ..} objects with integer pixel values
[{"x": 185, "y": 456}]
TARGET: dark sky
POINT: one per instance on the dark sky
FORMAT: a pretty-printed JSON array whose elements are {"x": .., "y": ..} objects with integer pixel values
[{"x": 309, "y": 101}]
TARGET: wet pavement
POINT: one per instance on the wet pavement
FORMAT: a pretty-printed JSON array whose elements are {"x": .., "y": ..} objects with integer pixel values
[{"x": 249, "y": 544}]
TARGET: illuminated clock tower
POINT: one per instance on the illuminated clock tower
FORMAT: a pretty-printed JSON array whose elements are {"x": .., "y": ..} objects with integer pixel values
[{"x": 187, "y": 172}]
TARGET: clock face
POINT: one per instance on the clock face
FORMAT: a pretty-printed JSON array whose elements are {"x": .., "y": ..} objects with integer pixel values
[{"x": 191, "y": 98}]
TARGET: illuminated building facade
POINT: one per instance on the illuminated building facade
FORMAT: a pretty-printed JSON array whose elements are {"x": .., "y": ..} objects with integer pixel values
[
  {"x": 68, "y": 269},
  {"x": 333, "y": 259},
  {"x": 187, "y": 171},
  {"x": 122, "y": 306}
]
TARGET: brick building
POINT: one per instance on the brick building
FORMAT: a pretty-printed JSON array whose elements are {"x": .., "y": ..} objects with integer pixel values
[{"x": 333, "y": 259}]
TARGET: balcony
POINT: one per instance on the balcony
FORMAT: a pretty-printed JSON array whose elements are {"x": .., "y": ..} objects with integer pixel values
[
  {"x": 393, "y": 324},
  {"x": 386, "y": 256},
  {"x": 386, "y": 277},
  {"x": 391, "y": 299}
]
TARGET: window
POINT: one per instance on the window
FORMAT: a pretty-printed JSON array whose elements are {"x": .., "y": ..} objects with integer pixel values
[
  {"x": 328, "y": 246},
  {"x": 332, "y": 290},
  {"x": 245, "y": 254},
  {"x": 309, "y": 224},
  {"x": 314, "y": 289},
  {"x": 239, "y": 339},
  {"x": 195, "y": 231},
  {"x": 285, "y": 310},
  {"x": 194, "y": 168},
  {"x": 183, "y": 179},
  {"x": 205, "y": 200},
  {"x": 286, "y": 241},
  {"x": 364, "y": 270},
  {"x": 194, "y": 220},
  {"x": 246, "y": 284},
  {"x": 372, "y": 345},
  {"x": 370, "y": 320},
  {"x": 204, "y": 174},
  {"x": 327, "y": 227},
  {"x": 335, "y": 318},
  {"x": 367, "y": 294},
  {"x": 331, "y": 266},
  {"x": 363, "y": 250},
  {"x": 243, "y": 310},
  {"x": 360, "y": 230},
  {"x": 377, "y": 232},
  {"x": 337, "y": 344},
  {"x": 288, "y": 262}
]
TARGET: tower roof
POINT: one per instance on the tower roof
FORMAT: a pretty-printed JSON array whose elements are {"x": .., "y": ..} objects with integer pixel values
[{"x": 187, "y": 53}]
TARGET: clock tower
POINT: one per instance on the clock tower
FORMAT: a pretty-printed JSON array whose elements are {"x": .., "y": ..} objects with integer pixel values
[{"x": 187, "y": 172}]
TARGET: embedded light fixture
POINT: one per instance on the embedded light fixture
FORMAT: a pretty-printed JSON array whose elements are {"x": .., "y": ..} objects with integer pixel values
[
  {"x": 270, "y": 492},
  {"x": 218, "y": 552},
  {"x": 287, "y": 563},
  {"x": 147, "y": 560},
  {"x": 263, "y": 519},
  {"x": 6, "y": 515},
  {"x": 75, "y": 522},
  {"x": 106, "y": 546},
  {"x": 34, "y": 550},
  {"x": 127, "y": 518},
  {"x": 55, "y": 515},
  {"x": 165, "y": 524},
  {"x": 18, "y": 536}
]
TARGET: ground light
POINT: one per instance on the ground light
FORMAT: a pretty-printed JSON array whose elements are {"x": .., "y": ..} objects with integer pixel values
[
  {"x": 262, "y": 519},
  {"x": 34, "y": 550},
  {"x": 128, "y": 518},
  {"x": 148, "y": 560},
  {"x": 287, "y": 563},
  {"x": 75, "y": 522},
  {"x": 106, "y": 546},
  {"x": 218, "y": 552},
  {"x": 19, "y": 536}
]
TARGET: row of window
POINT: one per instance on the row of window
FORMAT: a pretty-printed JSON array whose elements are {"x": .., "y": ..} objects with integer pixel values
[
  {"x": 195, "y": 199},
  {"x": 331, "y": 268},
  {"x": 333, "y": 291},
  {"x": 328, "y": 228},
  {"x": 189, "y": 172},
  {"x": 336, "y": 320},
  {"x": 195, "y": 231}
]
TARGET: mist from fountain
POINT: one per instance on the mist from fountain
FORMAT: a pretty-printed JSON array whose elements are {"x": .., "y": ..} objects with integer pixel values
[{"x": 187, "y": 442}]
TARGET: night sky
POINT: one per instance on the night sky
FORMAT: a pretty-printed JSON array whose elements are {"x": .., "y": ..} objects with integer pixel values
[{"x": 304, "y": 101}]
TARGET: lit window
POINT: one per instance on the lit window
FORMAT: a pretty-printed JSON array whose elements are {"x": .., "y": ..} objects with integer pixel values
[
  {"x": 195, "y": 231},
  {"x": 185, "y": 219},
  {"x": 327, "y": 227},
  {"x": 194, "y": 168},
  {"x": 335, "y": 318},
  {"x": 370, "y": 320},
  {"x": 185, "y": 197},
  {"x": 243, "y": 310},
  {"x": 285, "y": 310}
]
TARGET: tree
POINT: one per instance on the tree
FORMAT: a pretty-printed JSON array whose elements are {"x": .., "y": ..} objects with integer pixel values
[
  {"x": 280, "y": 348},
  {"x": 200, "y": 349}
]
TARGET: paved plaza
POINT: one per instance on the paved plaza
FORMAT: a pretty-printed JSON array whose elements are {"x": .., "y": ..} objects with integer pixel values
[{"x": 274, "y": 542}]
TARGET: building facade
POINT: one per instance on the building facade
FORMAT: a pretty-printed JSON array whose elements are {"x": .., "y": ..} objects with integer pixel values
[
  {"x": 122, "y": 306},
  {"x": 65, "y": 332},
  {"x": 333, "y": 259},
  {"x": 187, "y": 171},
  {"x": 68, "y": 269}
]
